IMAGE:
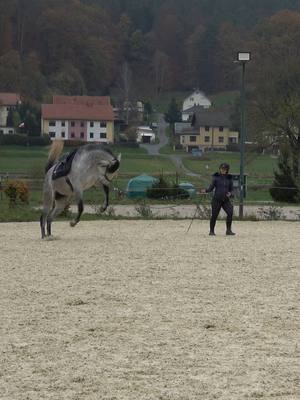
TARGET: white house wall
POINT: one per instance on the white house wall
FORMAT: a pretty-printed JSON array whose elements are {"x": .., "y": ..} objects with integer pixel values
[
  {"x": 185, "y": 117},
  {"x": 196, "y": 99},
  {"x": 96, "y": 130},
  {"x": 3, "y": 115},
  {"x": 7, "y": 130},
  {"x": 58, "y": 129}
]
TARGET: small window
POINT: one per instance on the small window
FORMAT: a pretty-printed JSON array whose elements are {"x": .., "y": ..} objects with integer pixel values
[
  {"x": 52, "y": 134},
  {"x": 72, "y": 134},
  {"x": 72, "y": 123},
  {"x": 63, "y": 123},
  {"x": 221, "y": 128},
  {"x": 1, "y": 131},
  {"x": 52, "y": 123},
  {"x": 91, "y": 135},
  {"x": 221, "y": 139},
  {"x": 92, "y": 124},
  {"x": 193, "y": 138},
  {"x": 102, "y": 135},
  {"x": 82, "y": 135},
  {"x": 102, "y": 124},
  {"x": 182, "y": 139},
  {"x": 232, "y": 140},
  {"x": 206, "y": 139},
  {"x": 81, "y": 123},
  {"x": 207, "y": 128},
  {"x": 63, "y": 134},
  {"x": 10, "y": 131}
]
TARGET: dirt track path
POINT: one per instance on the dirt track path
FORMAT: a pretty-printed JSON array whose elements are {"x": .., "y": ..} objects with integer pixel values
[{"x": 139, "y": 310}]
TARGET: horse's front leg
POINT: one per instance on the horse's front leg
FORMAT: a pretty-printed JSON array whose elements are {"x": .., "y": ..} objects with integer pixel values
[{"x": 106, "y": 197}]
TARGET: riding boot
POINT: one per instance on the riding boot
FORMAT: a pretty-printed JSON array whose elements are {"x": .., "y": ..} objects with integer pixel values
[
  {"x": 212, "y": 225},
  {"x": 228, "y": 226},
  {"x": 228, "y": 230},
  {"x": 230, "y": 233}
]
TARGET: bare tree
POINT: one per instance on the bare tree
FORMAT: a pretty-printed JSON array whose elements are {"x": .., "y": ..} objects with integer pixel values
[
  {"x": 160, "y": 64},
  {"x": 125, "y": 83}
]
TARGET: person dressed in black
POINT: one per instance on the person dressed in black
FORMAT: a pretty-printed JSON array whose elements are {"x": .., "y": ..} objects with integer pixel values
[{"x": 222, "y": 186}]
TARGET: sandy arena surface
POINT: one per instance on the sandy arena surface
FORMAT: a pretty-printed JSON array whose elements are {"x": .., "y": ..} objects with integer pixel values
[{"x": 140, "y": 310}]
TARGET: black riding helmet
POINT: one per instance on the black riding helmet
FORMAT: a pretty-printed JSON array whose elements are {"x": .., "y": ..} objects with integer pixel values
[{"x": 224, "y": 166}]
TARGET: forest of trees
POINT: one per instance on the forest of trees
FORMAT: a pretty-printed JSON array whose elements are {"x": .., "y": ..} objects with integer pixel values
[{"x": 146, "y": 46}]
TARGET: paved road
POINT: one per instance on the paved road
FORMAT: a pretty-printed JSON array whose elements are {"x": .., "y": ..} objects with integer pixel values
[{"x": 153, "y": 149}]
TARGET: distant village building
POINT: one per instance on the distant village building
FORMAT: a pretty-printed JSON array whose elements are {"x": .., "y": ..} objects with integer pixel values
[
  {"x": 127, "y": 111},
  {"x": 8, "y": 102},
  {"x": 85, "y": 118},
  {"x": 192, "y": 102},
  {"x": 145, "y": 134},
  {"x": 208, "y": 130}
]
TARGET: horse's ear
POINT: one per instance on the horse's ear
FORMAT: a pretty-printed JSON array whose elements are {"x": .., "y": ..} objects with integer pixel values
[{"x": 119, "y": 157}]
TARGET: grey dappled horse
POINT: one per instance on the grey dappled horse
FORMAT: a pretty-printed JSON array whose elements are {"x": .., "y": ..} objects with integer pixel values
[{"x": 91, "y": 165}]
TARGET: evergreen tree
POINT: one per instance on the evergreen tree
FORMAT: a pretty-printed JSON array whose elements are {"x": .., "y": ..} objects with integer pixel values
[
  {"x": 284, "y": 185},
  {"x": 147, "y": 111},
  {"x": 173, "y": 114},
  {"x": 9, "y": 119}
]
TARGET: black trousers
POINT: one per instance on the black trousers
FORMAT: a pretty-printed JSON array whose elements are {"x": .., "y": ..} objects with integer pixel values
[{"x": 216, "y": 206}]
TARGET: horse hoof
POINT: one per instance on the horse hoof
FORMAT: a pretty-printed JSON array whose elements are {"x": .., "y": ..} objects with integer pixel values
[{"x": 73, "y": 223}]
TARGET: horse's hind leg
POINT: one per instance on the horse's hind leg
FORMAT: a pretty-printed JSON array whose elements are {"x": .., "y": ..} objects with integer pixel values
[
  {"x": 43, "y": 218},
  {"x": 60, "y": 204},
  {"x": 79, "y": 201},
  {"x": 47, "y": 207}
]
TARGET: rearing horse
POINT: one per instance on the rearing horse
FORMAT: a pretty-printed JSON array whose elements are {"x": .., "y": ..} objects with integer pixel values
[{"x": 89, "y": 165}]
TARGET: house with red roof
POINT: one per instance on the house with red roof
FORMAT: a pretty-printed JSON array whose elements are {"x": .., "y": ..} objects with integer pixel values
[
  {"x": 8, "y": 102},
  {"x": 85, "y": 118}
]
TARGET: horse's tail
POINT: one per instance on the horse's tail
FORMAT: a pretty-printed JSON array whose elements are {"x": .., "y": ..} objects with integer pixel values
[{"x": 54, "y": 152}]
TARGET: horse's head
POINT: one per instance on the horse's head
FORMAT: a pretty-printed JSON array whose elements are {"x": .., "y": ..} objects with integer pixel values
[{"x": 111, "y": 167}]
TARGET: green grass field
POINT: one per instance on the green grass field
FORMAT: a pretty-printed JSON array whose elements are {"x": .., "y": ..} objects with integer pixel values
[
  {"x": 258, "y": 168},
  {"x": 30, "y": 162}
]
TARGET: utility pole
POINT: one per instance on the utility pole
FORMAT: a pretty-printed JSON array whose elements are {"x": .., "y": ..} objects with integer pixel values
[{"x": 242, "y": 58}]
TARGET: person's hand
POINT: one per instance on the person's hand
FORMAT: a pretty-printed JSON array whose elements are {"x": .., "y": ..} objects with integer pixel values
[{"x": 202, "y": 191}]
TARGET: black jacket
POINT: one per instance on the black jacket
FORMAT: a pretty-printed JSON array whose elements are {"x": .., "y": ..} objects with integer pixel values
[{"x": 222, "y": 186}]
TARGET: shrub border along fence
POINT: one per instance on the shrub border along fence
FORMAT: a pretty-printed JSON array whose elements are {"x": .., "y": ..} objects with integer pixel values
[{"x": 24, "y": 140}]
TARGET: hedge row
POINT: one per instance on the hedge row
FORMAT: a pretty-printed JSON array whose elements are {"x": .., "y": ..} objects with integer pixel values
[{"x": 23, "y": 140}]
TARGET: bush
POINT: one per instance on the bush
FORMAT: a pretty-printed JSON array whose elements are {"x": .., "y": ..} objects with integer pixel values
[
  {"x": 144, "y": 210},
  {"x": 16, "y": 190},
  {"x": 234, "y": 147},
  {"x": 23, "y": 140},
  {"x": 284, "y": 185},
  {"x": 272, "y": 213},
  {"x": 39, "y": 140},
  {"x": 128, "y": 144},
  {"x": 163, "y": 190}
]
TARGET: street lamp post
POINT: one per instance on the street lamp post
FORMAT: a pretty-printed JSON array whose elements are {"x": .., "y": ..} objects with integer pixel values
[{"x": 242, "y": 57}]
